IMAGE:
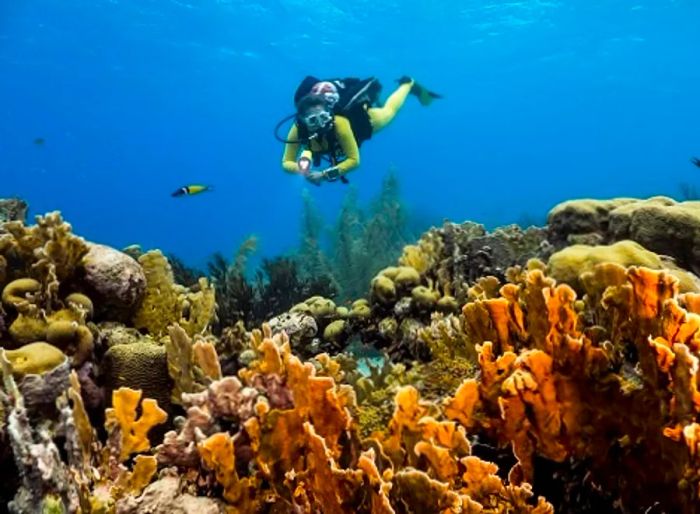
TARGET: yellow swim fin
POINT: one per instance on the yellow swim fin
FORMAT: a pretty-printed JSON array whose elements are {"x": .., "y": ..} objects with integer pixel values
[{"x": 425, "y": 97}]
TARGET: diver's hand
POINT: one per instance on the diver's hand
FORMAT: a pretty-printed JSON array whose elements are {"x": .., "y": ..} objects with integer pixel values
[{"x": 315, "y": 177}]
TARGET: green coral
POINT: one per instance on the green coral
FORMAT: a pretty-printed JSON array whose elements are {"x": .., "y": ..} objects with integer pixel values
[
  {"x": 383, "y": 289},
  {"x": 424, "y": 298},
  {"x": 314, "y": 261},
  {"x": 454, "y": 356},
  {"x": 360, "y": 310},
  {"x": 363, "y": 242}
]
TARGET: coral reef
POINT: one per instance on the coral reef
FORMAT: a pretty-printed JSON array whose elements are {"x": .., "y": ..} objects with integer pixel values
[
  {"x": 568, "y": 264},
  {"x": 532, "y": 371}
]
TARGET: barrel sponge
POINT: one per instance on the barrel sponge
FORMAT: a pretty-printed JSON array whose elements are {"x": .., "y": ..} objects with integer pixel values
[{"x": 141, "y": 365}]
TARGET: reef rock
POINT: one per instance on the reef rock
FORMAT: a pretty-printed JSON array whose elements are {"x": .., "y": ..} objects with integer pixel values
[
  {"x": 459, "y": 254},
  {"x": 164, "y": 497},
  {"x": 660, "y": 224},
  {"x": 114, "y": 280},
  {"x": 297, "y": 325}
]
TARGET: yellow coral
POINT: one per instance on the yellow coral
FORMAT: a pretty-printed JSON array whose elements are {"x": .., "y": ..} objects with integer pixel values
[
  {"x": 198, "y": 308},
  {"x": 21, "y": 293},
  {"x": 35, "y": 358},
  {"x": 71, "y": 337},
  {"x": 424, "y": 255},
  {"x": 133, "y": 431},
  {"x": 207, "y": 359},
  {"x": 86, "y": 434},
  {"x": 47, "y": 251},
  {"x": 161, "y": 305}
]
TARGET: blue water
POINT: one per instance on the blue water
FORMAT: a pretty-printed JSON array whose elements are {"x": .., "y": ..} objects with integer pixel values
[{"x": 544, "y": 101}]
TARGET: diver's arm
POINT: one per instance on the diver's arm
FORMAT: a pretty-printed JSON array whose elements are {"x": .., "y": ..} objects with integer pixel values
[
  {"x": 289, "y": 161},
  {"x": 346, "y": 139}
]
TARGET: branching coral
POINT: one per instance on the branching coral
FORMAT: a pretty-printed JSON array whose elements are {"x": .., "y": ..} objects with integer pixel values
[
  {"x": 48, "y": 252},
  {"x": 133, "y": 431},
  {"x": 552, "y": 385}
]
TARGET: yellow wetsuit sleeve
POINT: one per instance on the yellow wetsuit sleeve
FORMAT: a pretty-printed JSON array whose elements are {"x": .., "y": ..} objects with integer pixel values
[
  {"x": 289, "y": 160},
  {"x": 346, "y": 139}
]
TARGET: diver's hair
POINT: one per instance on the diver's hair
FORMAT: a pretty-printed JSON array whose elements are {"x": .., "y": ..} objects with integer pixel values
[{"x": 308, "y": 101}]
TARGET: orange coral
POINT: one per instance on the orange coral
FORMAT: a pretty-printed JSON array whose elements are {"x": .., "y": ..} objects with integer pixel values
[
  {"x": 217, "y": 455},
  {"x": 379, "y": 484},
  {"x": 462, "y": 406},
  {"x": 691, "y": 302}
]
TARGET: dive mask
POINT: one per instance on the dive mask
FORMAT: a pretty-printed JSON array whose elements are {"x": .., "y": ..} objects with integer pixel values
[{"x": 317, "y": 120}]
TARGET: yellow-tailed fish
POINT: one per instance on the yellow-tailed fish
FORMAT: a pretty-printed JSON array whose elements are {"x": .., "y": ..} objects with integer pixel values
[{"x": 192, "y": 189}]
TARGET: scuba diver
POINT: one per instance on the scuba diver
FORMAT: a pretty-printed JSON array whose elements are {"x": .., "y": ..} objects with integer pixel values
[{"x": 334, "y": 117}]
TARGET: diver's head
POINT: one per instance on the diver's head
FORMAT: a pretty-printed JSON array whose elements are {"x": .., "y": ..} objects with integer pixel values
[
  {"x": 328, "y": 91},
  {"x": 314, "y": 113}
]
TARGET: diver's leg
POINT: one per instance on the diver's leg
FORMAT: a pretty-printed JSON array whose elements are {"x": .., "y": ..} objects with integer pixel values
[{"x": 380, "y": 117}]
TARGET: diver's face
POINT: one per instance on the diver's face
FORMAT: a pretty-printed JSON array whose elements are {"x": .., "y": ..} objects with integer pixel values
[{"x": 316, "y": 118}]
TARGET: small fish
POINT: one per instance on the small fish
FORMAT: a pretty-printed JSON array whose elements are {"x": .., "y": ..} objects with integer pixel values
[
  {"x": 192, "y": 189},
  {"x": 39, "y": 141},
  {"x": 695, "y": 161}
]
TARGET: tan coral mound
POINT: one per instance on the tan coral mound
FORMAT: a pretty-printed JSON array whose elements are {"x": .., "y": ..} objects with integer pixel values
[{"x": 660, "y": 224}]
